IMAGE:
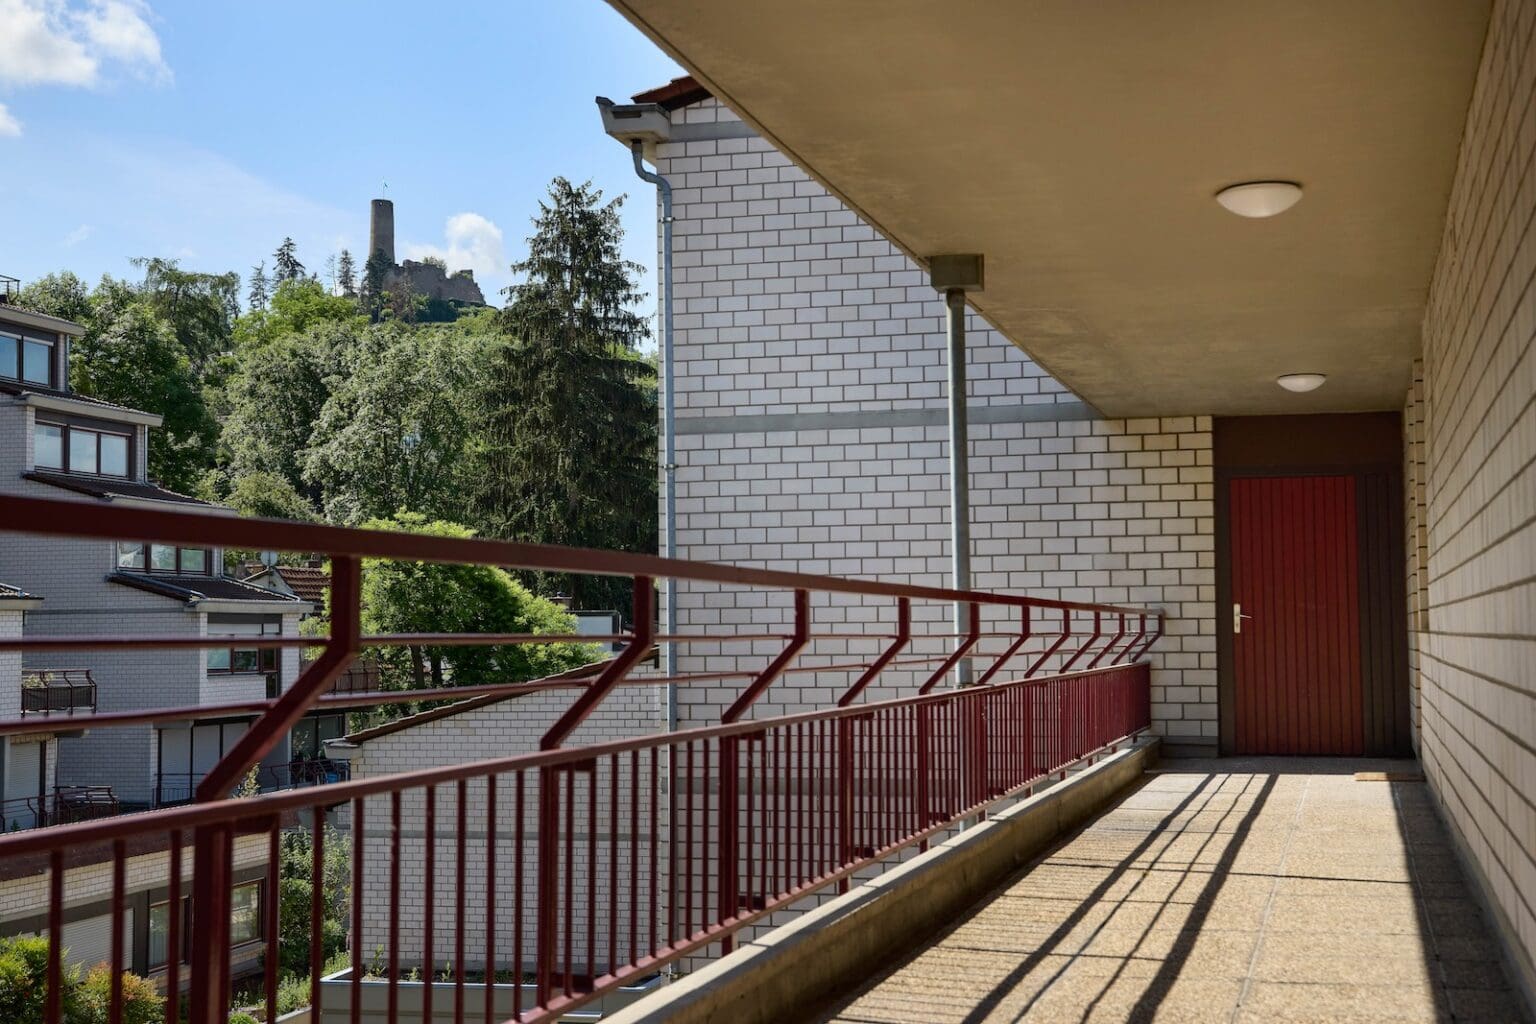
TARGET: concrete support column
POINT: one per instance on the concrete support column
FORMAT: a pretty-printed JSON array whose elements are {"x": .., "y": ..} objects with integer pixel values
[{"x": 954, "y": 276}]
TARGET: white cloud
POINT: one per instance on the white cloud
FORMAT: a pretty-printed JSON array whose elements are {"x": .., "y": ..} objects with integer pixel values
[
  {"x": 8, "y": 124},
  {"x": 78, "y": 235},
  {"x": 473, "y": 243},
  {"x": 58, "y": 42}
]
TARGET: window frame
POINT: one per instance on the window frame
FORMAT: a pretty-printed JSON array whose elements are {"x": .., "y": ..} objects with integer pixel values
[
  {"x": 16, "y": 370},
  {"x": 265, "y": 660},
  {"x": 67, "y": 433},
  {"x": 146, "y": 563},
  {"x": 186, "y": 921},
  {"x": 257, "y": 917}
]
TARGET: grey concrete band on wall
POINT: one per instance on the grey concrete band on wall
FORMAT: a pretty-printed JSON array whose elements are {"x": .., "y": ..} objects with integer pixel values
[
  {"x": 862, "y": 419},
  {"x": 711, "y": 132}
]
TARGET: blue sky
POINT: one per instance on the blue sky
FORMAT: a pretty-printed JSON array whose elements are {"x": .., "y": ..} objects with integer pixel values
[{"x": 206, "y": 130}]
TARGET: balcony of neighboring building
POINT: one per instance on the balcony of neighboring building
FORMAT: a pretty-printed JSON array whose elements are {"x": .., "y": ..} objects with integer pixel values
[{"x": 58, "y": 691}]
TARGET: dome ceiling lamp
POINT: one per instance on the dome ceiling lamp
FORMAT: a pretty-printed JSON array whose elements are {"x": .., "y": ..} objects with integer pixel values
[{"x": 1259, "y": 199}]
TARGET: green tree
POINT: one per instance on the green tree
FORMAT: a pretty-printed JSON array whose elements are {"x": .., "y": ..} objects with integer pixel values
[
  {"x": 394, "y": 431},
  {"x": 430, "y": 597},
  {"x": 62, "y": 295},
  {"x": 201, "y": 308},
  {"x": 346, "y": 274},
  {"x": 373, "y": 297},
  {"x": 268, "y": 496},
  {"x": 293, "y": 307},
  {"x": 256, "y": 297},
  {"x": 131, "y": 357},
  {"x": 567, "y": 450},
  {"x": 285, "y": 262},
  {"x": 275, "y": 398}
]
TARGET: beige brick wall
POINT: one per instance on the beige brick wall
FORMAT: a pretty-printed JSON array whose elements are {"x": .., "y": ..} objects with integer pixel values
[
  {"x": 811, "y": 397},
  {"x": 1476, "y": 641}
]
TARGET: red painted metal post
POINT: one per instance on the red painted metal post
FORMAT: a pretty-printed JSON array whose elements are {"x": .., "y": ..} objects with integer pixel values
[
  {"x": 1013, "y": 648},
  {"x": 972, "y": 638},
  {"x": 1097, "y": 629},
  {"x": 1066, "y": 633},
  {"x": 210, "y": 922},
  {"x": 1113, "y": 641},
  {"x": 344, "y": 644},
  {"x": 593, "y": 695},
  {"x": 776, "y": 667},
  {"x": 903, "y": 637}
]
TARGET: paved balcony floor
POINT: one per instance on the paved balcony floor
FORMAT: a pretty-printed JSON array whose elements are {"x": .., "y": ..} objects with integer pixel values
[{"x": 1238, "y": 890}]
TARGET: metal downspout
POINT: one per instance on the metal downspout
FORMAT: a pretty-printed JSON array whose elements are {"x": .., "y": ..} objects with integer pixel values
[
  {"x": 668, "y": 433},
  {"x": 959, "y": 470}
]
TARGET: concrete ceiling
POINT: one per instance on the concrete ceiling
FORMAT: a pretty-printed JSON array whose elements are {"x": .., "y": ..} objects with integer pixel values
[{"x": 1078, "y": 146}]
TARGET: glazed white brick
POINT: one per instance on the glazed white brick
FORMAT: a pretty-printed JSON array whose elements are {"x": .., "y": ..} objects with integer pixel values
[{"x": 1472, "y": 485}]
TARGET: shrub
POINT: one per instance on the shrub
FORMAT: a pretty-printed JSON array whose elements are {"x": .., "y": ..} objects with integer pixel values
[
  {"x": 142, "y": 1004},
  {"x": 23, "y": 984},
  {"x": 242, "y": 1018}
]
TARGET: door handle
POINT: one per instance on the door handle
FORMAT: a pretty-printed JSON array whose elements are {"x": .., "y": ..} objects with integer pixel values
[{"x": 1238, "y": 617}]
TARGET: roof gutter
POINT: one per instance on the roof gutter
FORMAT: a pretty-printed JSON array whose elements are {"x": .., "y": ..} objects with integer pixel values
[
  {"x": 68, "y": 405},
  {"x": 643, "y": 125}
]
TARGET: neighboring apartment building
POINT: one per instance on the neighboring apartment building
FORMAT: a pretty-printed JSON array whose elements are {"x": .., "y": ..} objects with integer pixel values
[{"x": 58, "y": 444}]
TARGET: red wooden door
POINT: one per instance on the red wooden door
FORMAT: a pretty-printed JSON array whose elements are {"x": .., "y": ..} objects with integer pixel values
[{"x": 1296, "y": 648}]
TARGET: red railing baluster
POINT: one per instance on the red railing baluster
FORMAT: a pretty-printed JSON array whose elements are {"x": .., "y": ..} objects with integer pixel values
[
  {"x": 428, "y": 898},
  {"x": 317, "y": 897}
]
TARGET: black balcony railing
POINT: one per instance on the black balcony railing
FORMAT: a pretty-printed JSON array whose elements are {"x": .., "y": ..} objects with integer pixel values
[
  {"x": 172, "y": 788},
  {"x": 58, "y": 691},
  {"x": 64, "y": 805},
  {"x": 10, "y": 287}
]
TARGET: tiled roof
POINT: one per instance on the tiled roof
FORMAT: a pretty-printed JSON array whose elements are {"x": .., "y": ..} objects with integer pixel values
[
  {"x": 308, "y": 582},
  {"x": 11, "y": 387},
  {"x": 194, "y": 588},
  {"x": 680, "y": 92},
  {"x": 101, "y": 487}
]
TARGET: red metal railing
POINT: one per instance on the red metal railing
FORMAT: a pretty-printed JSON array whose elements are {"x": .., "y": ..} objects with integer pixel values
[{"x": 582, "y": 869}]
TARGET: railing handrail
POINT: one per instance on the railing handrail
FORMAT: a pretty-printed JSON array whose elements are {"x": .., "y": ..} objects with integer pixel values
[
  {"x": 236, "y": 809},
  {"x": 54, "y": 518}
]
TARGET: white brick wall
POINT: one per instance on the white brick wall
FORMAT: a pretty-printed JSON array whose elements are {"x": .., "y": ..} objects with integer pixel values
[
  {"x": 503, "y": 729},
  {"x": 795, "y": 315},
  {"x": 1476, "y": 640}
]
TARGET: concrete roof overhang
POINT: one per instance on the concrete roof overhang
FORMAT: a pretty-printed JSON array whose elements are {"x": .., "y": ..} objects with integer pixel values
[{"x": 1078, "y": 147}]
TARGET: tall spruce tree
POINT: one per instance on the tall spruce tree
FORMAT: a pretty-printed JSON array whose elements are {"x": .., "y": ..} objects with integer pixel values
[
  {"x": 567, "y": 453},
  {"x": 256, "y": 297},
  {"x": 346, "y": 274},
  {"x": 285, "y": 262},
  {"x": 373, "y": 294}
]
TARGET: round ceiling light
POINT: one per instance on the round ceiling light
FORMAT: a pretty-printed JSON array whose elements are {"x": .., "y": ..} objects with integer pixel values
[
  {"x": 1301, "y": 382},
  {"x": 1260, "y": 198}
]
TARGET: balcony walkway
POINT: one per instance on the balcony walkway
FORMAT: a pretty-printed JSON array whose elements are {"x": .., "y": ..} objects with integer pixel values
[{"x": 1231, "y": 890}]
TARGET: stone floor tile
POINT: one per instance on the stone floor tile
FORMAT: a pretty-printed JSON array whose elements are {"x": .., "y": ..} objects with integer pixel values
[{"x": 1251, "y": 889}]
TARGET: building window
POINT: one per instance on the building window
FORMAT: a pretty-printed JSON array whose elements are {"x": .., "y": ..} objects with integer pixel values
[
  {"x": 26, "y": 358},
  {"x": 245, "y": 914},
  {"x": 48, "y": 446},
  {"x": 237, "y": 658},
  {"x": 97, "y": 452},
  {"x": 160, "y": 934},
  {"x": 133, "y": 556},
  {"x": 37, "y": 362}
]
